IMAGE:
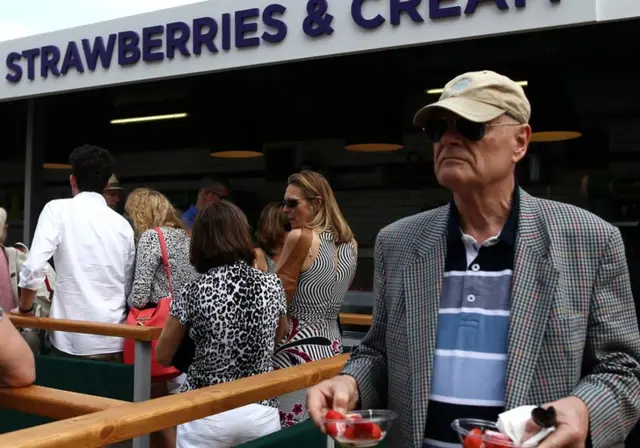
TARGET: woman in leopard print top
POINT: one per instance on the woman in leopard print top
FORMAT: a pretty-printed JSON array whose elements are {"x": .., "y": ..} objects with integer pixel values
[
  {"x": 234, "y": 314},
  {"x": 149, "y": 209}
]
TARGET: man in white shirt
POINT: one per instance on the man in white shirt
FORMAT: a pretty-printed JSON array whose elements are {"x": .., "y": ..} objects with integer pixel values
[{"x": 94, "y": 253}]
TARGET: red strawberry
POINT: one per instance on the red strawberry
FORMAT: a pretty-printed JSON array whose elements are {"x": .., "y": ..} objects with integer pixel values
[
  {"x": 494, "y": 439},
  {"x": 335, "y": 428},
  {"x": 350, "y": 433},
  {"x": 474, "y": 439},
  {"x": 376, "y": 432}
]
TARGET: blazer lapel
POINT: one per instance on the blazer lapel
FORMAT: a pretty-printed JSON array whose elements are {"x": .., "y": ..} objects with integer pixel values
[
  {"x": 422, "y": 282},
  {"x": 534, "y": 284}
]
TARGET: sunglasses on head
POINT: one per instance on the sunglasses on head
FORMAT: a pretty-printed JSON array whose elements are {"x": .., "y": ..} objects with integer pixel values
[{"x": 435, "y": 128}]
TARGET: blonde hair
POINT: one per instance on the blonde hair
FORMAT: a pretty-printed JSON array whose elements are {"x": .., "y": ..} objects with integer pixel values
[
  {"x": 328, "y": 216},
  {"x": 149, "y": 209},
  {"x": 3, "y": 218},
  {"x": 271, "y": 228}
]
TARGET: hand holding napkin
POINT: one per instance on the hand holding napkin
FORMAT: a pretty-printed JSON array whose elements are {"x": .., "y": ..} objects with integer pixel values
[{"x": 512, "y": 423}]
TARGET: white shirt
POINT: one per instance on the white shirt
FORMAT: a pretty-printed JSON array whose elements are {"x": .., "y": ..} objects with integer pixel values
[{"x": 94, "y": 254}]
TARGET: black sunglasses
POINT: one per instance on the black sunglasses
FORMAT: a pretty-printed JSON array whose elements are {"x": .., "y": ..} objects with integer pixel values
[
  {"x": 435, "y": 128},
  {"x": 290, "y": 203}
]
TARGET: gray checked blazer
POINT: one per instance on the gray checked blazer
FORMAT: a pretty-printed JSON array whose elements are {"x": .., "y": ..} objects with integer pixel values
[{"x": 573, "y": 328}]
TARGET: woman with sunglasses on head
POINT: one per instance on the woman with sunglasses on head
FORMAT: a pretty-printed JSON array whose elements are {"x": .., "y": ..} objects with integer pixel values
[{"x": 321, "y": 252}]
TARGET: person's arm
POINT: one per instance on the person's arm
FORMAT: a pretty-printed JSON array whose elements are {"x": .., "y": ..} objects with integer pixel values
[
  {"x": 17, "y": 364},
  {"x": 283, "y": 324},
  {"x": 611, "y": 389},
  {"x": 368, "y": 362},
  {"x": 260, "y": 261},
  {"x": 354, "y": 245},
  {"x": 129, "y": 264},
  {"x": 45, "y": 242},
  {"x": 147, "y": 261},
  {"x": 172, "y": 334},
  {"x": 176, "y": 326}
]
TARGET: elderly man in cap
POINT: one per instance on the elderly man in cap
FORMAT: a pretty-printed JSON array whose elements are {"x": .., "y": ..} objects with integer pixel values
[
  {"x": 211, "y": 190},
  {"x": 112, "y": 192},
  {"x": 496, "y": 300}
]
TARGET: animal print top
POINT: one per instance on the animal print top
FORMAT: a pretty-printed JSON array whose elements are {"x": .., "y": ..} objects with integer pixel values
[
  {"x": 231, "y": 313},
  {"x": 150, "y": 280}
]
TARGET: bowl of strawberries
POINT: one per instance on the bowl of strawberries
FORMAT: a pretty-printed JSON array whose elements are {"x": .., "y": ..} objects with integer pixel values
[
  {"x": 365, "y": 428},
  {"x": 475, "y": 433}
]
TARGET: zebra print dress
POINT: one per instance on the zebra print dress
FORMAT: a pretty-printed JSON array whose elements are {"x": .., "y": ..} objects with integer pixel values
[{"x": 313, "y": 318}]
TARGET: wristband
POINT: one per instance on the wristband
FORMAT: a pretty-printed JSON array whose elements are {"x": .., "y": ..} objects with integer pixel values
[{"x": 24, "y": 311}]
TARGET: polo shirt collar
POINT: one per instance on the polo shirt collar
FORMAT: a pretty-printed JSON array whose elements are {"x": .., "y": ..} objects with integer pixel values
[{"x": 508, "y": 233}]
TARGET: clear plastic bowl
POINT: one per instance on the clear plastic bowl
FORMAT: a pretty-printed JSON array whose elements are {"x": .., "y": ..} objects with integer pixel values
[
  {"x": 356, "y": 429},
  {"x": 464, "y": 427}
]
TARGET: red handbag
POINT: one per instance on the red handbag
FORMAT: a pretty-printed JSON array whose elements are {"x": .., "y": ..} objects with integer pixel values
[{"x": 153, "y": 317}]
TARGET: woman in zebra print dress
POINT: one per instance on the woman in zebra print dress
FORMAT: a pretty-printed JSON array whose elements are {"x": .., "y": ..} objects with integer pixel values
[{"x": 325, "y": 277}]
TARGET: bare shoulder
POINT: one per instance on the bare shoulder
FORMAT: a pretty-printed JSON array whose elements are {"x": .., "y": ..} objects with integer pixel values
[{"x": 293, "y": 236}]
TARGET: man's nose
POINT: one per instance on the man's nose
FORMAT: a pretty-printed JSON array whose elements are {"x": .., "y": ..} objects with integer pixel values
[{"x": 452, "y": 136}]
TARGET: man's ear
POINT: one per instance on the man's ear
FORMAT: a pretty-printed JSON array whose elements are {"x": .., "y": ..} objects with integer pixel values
[{"x": 522, "y": 137}]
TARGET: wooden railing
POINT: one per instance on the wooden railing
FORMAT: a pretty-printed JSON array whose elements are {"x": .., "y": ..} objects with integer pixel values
[
  {"x": 53, "y": 403},
  {"x": 127, "y": 421},
  {"x": 131, "y": 331},
  {"x": 356, "y": 319},
  {"x": 138, "y": 333}
]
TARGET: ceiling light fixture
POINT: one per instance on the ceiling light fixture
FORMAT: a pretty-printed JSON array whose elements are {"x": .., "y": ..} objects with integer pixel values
[
  {"x": 56, "y": 166},
  {"x": 439, "y": 91},
  {"x": 553, "y": 136},
  {"x": 233, "y": 154},
  {"x": 149, "y": 118}
]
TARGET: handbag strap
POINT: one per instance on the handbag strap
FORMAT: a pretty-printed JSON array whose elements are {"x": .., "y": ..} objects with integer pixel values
[{"x": 165, "y": 258}]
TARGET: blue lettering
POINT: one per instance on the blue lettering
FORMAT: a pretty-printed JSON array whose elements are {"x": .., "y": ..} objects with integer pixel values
[
  {"x": 12, "y": 59},
  {"x": 472, "y": 5},
  {"x": 408, "y": 6},
  {"x": 523, "y": 3},
  {"x": 71, "y": 59},
  {"x": 436, "y": 11},
  {"x": 49, "y": 61},
  {"x": 243, "y": 28},
  {"x": 98, "y": 50},
  {"x": 177, "y": 42},
  {"x": 128, "y": 51},
  {"x": 30, "y": 56},
  {"x": 149, "y": 44},
  {"x": 226, "y": 32},
  {"x": 201, "y": 37},
  {"x": 359, "y": 18},
  {"x": 277, "y": 24}
]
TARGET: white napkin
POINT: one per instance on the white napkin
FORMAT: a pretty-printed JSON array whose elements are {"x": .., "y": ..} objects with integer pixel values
[{"x": 512, "y": 423}]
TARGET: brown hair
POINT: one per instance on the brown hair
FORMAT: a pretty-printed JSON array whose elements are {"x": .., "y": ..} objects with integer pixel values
[
  {"x": 328, "y": 215},
  {"x": 149, "y": 209},
  {"x": 271, "y": 228},
  {"x": 220, "y": 236}
]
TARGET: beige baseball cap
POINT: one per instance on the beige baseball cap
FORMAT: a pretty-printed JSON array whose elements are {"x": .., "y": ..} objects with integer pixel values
[
  {"x": 113, "y": 184},
  {"x": 480, "y": 97}
]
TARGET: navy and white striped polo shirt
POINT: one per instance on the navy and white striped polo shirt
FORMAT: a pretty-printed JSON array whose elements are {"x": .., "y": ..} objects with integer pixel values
[{"x": 469, "y": 369}]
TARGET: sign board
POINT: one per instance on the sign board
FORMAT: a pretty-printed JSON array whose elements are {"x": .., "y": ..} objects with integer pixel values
[{"x": 228, "y": 34}]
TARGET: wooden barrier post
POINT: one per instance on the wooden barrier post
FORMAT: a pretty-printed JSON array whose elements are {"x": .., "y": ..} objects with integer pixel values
[{"x": 142, "y": 336}]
